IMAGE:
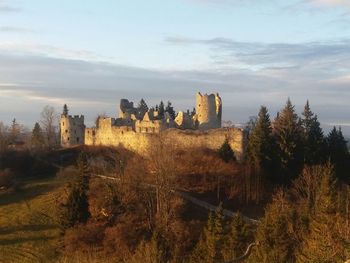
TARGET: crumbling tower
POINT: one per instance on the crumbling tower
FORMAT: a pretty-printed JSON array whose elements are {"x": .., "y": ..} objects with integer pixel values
[
  {"x": 72, "y": 129},
  {"x": 208, "y": 111}
]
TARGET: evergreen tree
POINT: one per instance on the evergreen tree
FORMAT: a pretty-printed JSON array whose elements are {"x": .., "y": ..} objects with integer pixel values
[
  {"x": 338, "y": 153},
  {"x": 219, "y": 225},
  {"x": 314, "y": 142},
  {"x": 210, "y": 245},
  {"x": 276, "y": 243},
  {"x": 38, "y": 139},
  {"x": 261, "y": 145},
  {"x": 65, "y": 110},
  {"x": 153, "y": 251},
  {"x": 202, "y": 252},
  {"x": 250, "y": 125},
  {"x": 15, "y": 131},
  {"x": 142, "y": 108},
  {"x": 324, "y": 244},
  {"x": 288, "y": 134},
  {"x": 193, "y": 112},
  {"x": 170, "y": 109},
  {"x": 76, "y": 209},
  {"x": 161, "y": 110},
  {"x": 237, "y": 239},
  {"x": 226, "y": 153}
]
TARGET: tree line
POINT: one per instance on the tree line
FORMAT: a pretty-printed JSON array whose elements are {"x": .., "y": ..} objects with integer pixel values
[
  {"x": 279, "y": 149},
  {"x": 43, "y": 135}
]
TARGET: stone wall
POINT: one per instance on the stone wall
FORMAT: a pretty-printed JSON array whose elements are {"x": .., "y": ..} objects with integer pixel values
[
  {"x": 182, "y": 139},
  {"x": 123, "y": 136},
  {"x": 211, "y": 139},
  {"x": 149, "y": 126}
]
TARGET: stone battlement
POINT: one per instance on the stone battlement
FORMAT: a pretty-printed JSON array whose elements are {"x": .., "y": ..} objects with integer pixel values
[{"x": 72, "y": 129}]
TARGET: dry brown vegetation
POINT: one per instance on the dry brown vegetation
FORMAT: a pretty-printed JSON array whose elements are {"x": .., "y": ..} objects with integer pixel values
[
  {"x": 139, "y": 204},
  {"x": 126, "y": 212}
]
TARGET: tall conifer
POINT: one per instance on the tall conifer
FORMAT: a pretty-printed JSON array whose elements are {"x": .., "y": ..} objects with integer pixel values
[
  {"x": 142, "y": 108},
  {"x": 209, "y": 247},
  {"x": 288, "y": 134},
  {"x": 37, "y": 139},
  {"x": 65, "y": 110},
  {"x": 323, "y": 244},
  {"x": 76, "y": 209},
  {"x": 170, "y": 109},
  {"x": 338, "y": 153},
  {"x": 161, "y": 110},
  {"x": 314, "y": 141},
  {"x": 276, "y": 243},
  {"x": 260, "y": 145},
  {"x": 238, "y": 238}
]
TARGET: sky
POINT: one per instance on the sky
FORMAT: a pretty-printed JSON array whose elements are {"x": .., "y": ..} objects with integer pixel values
[{"x": 90, "y": 54}]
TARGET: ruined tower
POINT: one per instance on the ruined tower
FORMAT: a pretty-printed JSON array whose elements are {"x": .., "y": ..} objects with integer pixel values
[
  {"x": 72, "y": 129},
  {"x": 208, "y": 111}
]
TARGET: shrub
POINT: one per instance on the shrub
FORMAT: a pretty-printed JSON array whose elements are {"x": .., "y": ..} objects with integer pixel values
[
  {"x": 83, "y": 237},
  {"x": 7, "y": 179}
]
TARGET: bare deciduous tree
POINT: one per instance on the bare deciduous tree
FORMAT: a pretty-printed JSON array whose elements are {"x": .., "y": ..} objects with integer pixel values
[
  {"x": 4, "y": 137},
  {"x": 49, "y": 118},
  {"x": 163, "y": 167}
]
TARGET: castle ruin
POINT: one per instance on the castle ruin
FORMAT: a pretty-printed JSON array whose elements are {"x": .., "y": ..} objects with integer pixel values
[
  {"x": 137, "y": 128},
  {"x": 72, "y": 129},
  {"x": 209, "y": 111}
]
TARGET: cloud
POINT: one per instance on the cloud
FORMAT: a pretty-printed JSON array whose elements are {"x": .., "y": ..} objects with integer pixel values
[
  {"x": 235, "y": 2},
  {"x": 7, "y": 8},
  {"x": 13, "y": 29},
  {"x": 330, "y": 56},
  {"x": 37, "y": 49},
  {"x": 32, "y": 81},
  {"x": 263, "y": 2},
  {"x": 336, "y": 3},
  {"x": 283, "y": 5},
  {"x": 318, "y": 71}
]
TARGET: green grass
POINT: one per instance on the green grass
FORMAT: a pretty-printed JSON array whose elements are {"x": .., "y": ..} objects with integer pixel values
[{"x": 28, "y": 232}]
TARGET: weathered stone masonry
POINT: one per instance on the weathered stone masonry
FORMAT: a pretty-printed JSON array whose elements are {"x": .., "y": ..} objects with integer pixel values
[
  {"x": 138, "y": 130},
  {"x": 72, "y": 129}
]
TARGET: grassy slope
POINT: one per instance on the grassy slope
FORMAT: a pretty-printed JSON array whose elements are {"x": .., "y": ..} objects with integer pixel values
[{"x": 26, "y": 233}]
